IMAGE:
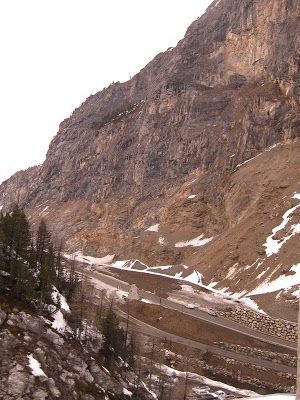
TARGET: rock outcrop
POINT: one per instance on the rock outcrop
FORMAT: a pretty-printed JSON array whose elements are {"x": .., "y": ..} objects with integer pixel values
[{"x": 39, "y": 363}]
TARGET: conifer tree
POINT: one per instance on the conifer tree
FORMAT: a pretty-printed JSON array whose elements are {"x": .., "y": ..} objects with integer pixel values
[
  {"x": 114, "y": 336},
  {"x": 47, "y": 274},
  {"x": 78, "y": 309},
  {"x": 30, "y": 268},
  {"x": 71, "y": 281},
  {"x": 1, "y": 251},
  {"x": 7, "y": 245},
  {"x": 22, "y": 235},
  {"x": 59, "y": 269},
  {"x": 45, "y": 262},
  {"x": 43, "y": 242},
  {"x": 1, "y": 241},
  {"x": 16, "y": 242},
  {"x": 25, "y": 284},
  {"x": 15, "y": 237}
]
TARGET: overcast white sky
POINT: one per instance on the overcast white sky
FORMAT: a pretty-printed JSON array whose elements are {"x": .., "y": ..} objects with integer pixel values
[{"x": 55, "y": 53}]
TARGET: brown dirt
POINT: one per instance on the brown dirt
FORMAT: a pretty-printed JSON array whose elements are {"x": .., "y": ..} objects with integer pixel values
[
  {"x": 157, "y": 284},
  {"x": 204, "y": 364},
  {"x": 192, "y": 328}
]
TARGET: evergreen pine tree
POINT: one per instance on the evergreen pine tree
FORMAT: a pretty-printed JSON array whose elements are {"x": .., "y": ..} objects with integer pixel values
[
  {"x": 114, "y": 337},
  {"x": 45, "y": 262},
  {"x": 1, "y": 241},
  {"x": 43, "y": 242},
  {"x": 71, "y": 282},
  {"x": 22, "y": 235},
  {"x": 59, "y": 269},
  {"x": 15, "y": 237}
]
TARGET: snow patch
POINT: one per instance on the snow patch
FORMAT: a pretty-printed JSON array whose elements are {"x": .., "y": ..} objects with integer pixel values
[
  {"x": 262, "y": 273},
  {"x": 35, "y": 366},
  {"x": 204, "y": 381},
  {"x": 162, "y": 241},
  {"x": 119, "y": 264},
  {"x": 129, "y": 264},
  {"x": 258, "y": 155},
  {"x": 273, "y": 245},
  {"x": 78, "y": 256},
  {"x": 197, "y": 242},
  {"x": 127, "y": 392},
  {"x": 251, "y": 304},
  {"x": 282, "y": 282},
  {"x": 231, "y": 271},
  {"x": 252, "y": 265},
  {"x": 59, "y": 322},
  {"x": 163, "y": 267},
  {"x": 45, "y": 209},
  {"x": 59, "y": 299},
  {"x": 195, "y": 277},
  {"x": 153, "y": 228},
  {"x": 187, "y": 288}
]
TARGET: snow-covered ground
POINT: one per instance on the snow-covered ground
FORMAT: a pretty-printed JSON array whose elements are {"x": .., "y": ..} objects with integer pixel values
[
  {"x": 272, "y": 245},
  {"x": 181, "y": 272},
  {"x": 213, "y": 385},
  {"x": 59, "y": 323}
]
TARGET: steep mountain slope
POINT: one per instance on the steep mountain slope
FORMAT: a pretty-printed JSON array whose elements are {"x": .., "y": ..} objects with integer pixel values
[
  {"x": 40, "y": 362},
  {"x": 132, "y": 155}
]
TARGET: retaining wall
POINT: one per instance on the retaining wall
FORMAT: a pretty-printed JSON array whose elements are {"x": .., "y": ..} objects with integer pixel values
[{"x": 262, "y": 323}]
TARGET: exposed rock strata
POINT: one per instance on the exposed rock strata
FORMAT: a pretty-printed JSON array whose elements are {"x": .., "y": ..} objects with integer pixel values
[{"x": 132, "y": 154}]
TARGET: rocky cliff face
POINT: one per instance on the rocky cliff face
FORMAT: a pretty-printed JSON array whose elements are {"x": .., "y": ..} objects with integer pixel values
[
  {"x": 37, "y": 362},
  {"x": 132, "y": 155}
]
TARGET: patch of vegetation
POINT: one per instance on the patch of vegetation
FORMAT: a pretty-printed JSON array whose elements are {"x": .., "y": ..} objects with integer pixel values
[
  {"x": 8, "y": 303},
  {"x": 16, "y": 331},
  {"x": 89, "y": 388},
  {"x": 114, "y": 115},
  {"x": 30, "y": 265}
]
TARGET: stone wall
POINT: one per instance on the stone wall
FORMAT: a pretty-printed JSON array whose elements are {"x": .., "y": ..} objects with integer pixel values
[
  {"x": 286, "y": 359},
  {"x": 242, "y": 375},
  {"x": 262, "y": 323}
]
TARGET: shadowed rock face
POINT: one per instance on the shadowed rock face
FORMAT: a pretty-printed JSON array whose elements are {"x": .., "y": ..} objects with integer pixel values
[{"x": 130, "y": 155}]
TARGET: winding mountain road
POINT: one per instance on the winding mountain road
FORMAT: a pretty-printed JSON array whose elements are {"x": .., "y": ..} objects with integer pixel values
[
  {"x": 152, "y": 331},
  {"x": 204, "y": 316}
]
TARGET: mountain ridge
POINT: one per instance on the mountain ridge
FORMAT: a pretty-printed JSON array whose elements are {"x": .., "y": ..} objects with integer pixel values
[{"x": 131, "y": 155}]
